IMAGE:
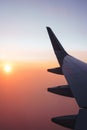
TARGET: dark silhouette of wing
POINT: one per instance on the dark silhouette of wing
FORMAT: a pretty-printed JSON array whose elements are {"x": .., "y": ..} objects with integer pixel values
[
  {"x": 62, "y": 90},
  {"x": 58, "y": 49},
  {"x": 76, "y": 122},
  {"x": 74, "y": 70}
]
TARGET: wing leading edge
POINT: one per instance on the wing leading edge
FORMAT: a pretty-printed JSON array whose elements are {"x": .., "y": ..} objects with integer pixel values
[{"x": 74, "y": 70}]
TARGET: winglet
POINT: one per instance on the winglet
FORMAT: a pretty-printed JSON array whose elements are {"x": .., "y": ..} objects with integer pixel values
[{"x": 58, "y": 49}]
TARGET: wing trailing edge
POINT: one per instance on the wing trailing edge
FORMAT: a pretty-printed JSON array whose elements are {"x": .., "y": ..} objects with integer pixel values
[
  {"x": 66, "y": 121},
  {"x": 56, "y": 70},
  {"x": 62, "y": 90},
  {"x": 76, "y": 122}
]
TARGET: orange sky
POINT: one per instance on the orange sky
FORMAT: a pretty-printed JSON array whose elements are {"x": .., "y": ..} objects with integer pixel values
[{"x": 25, "y": 102}]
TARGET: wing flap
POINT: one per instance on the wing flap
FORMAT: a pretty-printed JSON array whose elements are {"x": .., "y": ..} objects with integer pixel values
[
  {"x": 62, "y": 90},
  {"x": 66, "y": 121},
  {"x": 56, "y": 70}
]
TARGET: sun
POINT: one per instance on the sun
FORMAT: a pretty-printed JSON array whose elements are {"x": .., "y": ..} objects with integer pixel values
[{"x": 7, "y": 68}]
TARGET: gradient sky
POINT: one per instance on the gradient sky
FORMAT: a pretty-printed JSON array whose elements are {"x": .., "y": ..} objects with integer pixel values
[
  {"x": 25, "y": 103},
  {"x": 23, "y": 34}
]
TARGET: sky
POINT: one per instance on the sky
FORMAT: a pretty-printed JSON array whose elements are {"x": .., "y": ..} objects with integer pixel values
[
  {"x": 23, "y": 34},
  {"x": 25, "y": 45}
]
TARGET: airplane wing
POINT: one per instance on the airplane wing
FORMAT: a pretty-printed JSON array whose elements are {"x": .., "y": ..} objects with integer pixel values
[
  {"x": 76, "y": 122},
  {"x": 74, "y": 70}
]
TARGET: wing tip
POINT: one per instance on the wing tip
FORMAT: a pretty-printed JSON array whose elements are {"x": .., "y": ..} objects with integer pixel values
[{"x": 47, "y": 27}]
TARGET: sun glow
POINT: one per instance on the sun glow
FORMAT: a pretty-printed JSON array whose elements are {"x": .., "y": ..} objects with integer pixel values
[{"x": 7, "y": 68}]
